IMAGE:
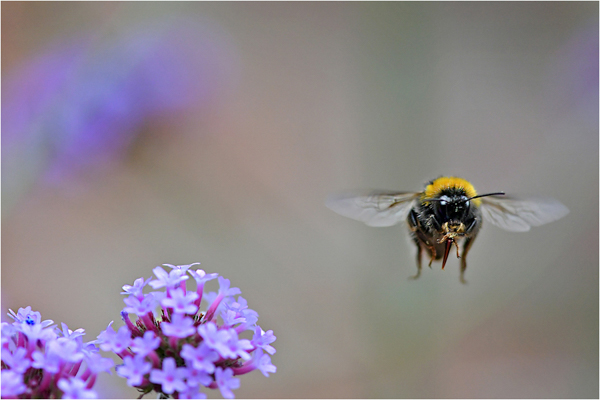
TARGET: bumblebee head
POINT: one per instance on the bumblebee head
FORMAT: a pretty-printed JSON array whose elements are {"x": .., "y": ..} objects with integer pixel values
[
  {"x": 454, "y": 205},
  {"x": 450, "y": 208}
]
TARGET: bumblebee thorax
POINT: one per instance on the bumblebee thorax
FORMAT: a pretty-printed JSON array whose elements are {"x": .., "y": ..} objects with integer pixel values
[{"x": 452, "y": 187}]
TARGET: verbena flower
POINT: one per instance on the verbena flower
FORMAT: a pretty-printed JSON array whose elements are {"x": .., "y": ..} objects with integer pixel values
[
  {"x": 169, "y": 345},
  {"x": 39, "y": 360},
  {"x": 89, "y": 102},
  {"x": 84, "y": 103}
]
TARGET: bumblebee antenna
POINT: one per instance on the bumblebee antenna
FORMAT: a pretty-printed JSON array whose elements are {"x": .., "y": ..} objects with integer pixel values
[{"x": 487, "y": 194}]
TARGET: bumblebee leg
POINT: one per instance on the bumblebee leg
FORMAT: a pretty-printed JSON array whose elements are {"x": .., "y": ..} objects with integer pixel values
[
  {"x": 419, "y": 254},
  {"x": 463, "y": 261},
  {"x": 433, "y": 254},
  {"x": 420, "y": 237}
]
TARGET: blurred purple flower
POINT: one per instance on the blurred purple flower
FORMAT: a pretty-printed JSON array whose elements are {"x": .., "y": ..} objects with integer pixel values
[
  {"x": 12, "y": 384},
  {"x": 192, "y": 392},
  {"x": 85, "y": 100},
  {"x": 75, "y": 388},
  {"x": 182, "y": 350},
  {"x": 37, "y": 332},
  {"x": 98, "y": 364},
  {"x": 573, "y": 73},
  {"x": 226, "y": 382},
  {"x": 17, "y": 361},
  {"x": 49, "y": 362}
]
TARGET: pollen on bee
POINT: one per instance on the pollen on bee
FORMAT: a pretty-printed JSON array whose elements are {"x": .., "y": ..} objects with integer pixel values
[{"x": 448, "y": 182}]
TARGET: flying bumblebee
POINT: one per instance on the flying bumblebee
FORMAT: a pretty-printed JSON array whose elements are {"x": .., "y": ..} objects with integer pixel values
[{"x": 448, "y": 210}]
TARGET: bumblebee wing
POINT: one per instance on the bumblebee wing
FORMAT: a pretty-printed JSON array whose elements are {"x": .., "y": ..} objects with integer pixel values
[
  {"x": 379, "y": 208},
  {"x": 519, "y": 215}
]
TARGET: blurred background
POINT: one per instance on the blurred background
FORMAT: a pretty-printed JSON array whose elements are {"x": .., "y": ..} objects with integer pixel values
[{"x": 136, "y": 134}]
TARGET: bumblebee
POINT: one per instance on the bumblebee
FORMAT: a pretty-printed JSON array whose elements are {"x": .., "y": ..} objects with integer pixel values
[{"x": 449, "y": 210}]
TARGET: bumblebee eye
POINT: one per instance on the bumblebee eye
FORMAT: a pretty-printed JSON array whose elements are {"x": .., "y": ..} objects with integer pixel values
[
  {"x": 467, "y": 206},
  {"x": 441, "y": 210}
]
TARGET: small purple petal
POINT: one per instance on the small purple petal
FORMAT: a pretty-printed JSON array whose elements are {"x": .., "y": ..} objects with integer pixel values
[
  {"x": 146, "y": 344},
  {"x": 67, "y": 333},
  {"x": 213, "y": 337},
  {"x": 183, "y": 268},
  {"x": 113, "y": 341},
  {"x": 26, "y": 315},
  {"x": 263, "y": 340},
  {"x": 134, "y": 369},
  {"x": 179, "y": 327},
  {"x": 12, "y": 384},
  {"x": 96, "y": 363},
  {"x": 67, "y": 350},
  {"x": 226, "y": 382},
  {"x": 231, "y": 318},
  {"x": 263, "y": 363},
  {"x": 181, "y": 302},
  {"x": 49, "y": 362},
  {"x": 192, "y": 392},
  {"x": 75, "y": 388},
  {"x": 37, "y": 332},
  {"x": 168, "y": 280},
  {"x": 201, "y": 358},
  {"x": 196, "y": 377},
  {"x": 17, "y": 361},
  {"x": 225, "y": 289},
  {"x": 140, "y": 305},
  {"x": 202, "y": 277},
  {"x": 169, "y": 377},
  {"x": 137, "y": 288}
]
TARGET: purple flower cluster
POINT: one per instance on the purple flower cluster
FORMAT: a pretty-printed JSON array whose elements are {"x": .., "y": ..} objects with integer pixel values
[
  {"x": 184, "y": 350},
  {"x": 39, "y": 360},
  {"x": 86, "y": 99}
]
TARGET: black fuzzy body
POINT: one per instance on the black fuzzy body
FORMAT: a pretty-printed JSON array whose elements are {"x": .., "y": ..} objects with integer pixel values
[{"x": 450, "y": 216}]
